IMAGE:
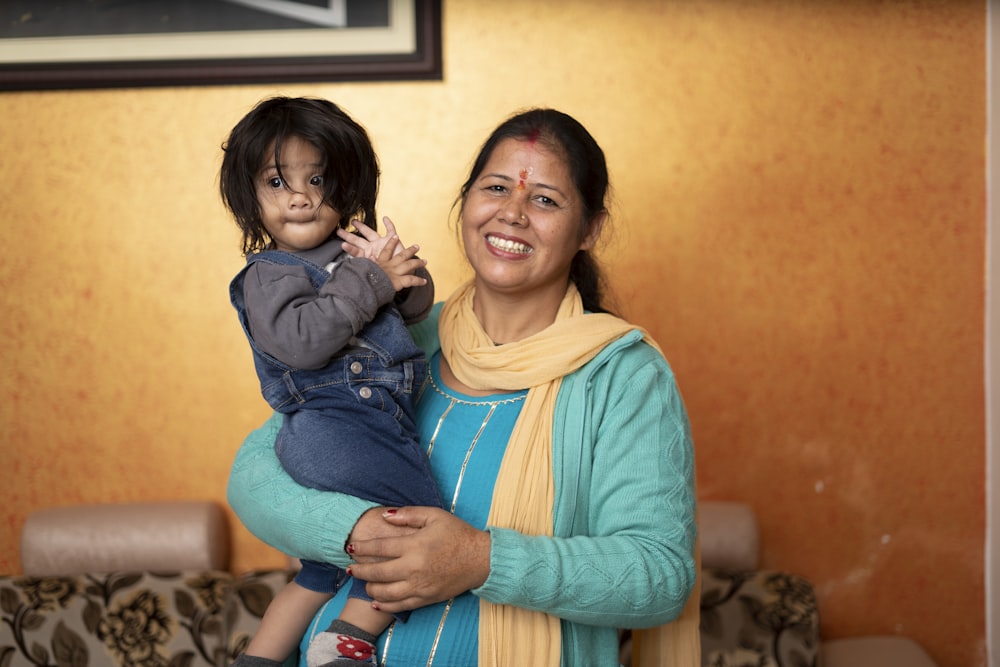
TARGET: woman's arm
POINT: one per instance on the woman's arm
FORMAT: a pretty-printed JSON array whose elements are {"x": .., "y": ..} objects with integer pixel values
[
  {"x": 625, "y": 556},
  {"x": 296, "y": 520}
]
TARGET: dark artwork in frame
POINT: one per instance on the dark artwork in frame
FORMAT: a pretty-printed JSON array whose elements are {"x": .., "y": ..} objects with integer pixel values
[{"x": 48, "y": 44}]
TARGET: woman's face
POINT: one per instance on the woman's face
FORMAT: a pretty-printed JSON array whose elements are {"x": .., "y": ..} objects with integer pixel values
[{"x": 522, "y": 220}]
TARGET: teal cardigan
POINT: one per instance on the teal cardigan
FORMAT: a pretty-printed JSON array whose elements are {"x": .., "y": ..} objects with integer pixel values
[{"x": 622, "y": 553}]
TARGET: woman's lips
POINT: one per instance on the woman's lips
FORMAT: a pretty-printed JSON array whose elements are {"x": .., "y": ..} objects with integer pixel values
[{"x": 508, "y": 245}]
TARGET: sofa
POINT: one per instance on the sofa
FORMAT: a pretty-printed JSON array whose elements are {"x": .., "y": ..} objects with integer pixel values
[{"x": 148, "y": 585}]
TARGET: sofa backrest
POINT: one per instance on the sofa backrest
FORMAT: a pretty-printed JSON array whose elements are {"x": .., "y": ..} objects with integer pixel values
[
  {"x": 194, "y": 535},
  {"x": 125, "y": 537},
  {"x": 729, "y": 535}
]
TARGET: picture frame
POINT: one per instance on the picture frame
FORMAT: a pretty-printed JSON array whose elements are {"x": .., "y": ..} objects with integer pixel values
[{"x": 408, "y": 47}]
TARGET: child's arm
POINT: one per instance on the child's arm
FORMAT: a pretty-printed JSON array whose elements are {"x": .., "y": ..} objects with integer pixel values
[
  {"x": 303, "y": 327},
  {"x": 415, "y": 303}
]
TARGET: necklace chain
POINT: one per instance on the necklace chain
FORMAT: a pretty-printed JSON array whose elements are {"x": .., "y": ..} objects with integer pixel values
[{"x": 456, "y": 399}]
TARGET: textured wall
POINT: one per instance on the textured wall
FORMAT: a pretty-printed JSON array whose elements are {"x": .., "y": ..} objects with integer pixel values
[{"x": 800, "y": 211}]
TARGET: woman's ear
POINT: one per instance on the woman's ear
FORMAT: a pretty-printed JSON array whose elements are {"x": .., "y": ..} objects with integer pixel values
[{"x": 593, "y": 230}]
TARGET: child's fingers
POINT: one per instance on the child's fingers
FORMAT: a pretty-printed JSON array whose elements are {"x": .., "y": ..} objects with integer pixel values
[
  {"x": 410, "y": 280},
  {"x": 389, "y": 249},
  {"x": 390, "y": 229},
  {"x": 347, "y": 236},
  {"x": 354, "y": 239},
  {"x": 406, "y": 260},
  {"x": 407, "y": 268},
  {"x": 353, "y": 245},
  {"x": 364, "y": 230},
  {"x": 407, "y": 253}
]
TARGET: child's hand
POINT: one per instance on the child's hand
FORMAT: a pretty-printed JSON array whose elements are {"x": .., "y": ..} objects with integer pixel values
[
  {"x": 399, "y": 263},
  {"x": 370, "y": 244}
]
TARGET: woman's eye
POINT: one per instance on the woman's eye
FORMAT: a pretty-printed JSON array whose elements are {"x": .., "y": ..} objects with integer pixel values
[
  {"x": 496, "y": 188},
  {"x": 546, "y": 201}
]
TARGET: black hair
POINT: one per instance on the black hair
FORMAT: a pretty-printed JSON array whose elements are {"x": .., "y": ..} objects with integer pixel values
[
  {"x": 588, "y": 170},
  {"x": 350, "y": 166}
]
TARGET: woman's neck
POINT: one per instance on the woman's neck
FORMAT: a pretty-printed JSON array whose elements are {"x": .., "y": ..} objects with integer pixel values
[{"x": 508, "y": 318}]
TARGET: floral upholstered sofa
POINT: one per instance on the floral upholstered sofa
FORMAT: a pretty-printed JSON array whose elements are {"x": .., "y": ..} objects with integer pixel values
[
  {"x": 758, "y": 618},
  {"x": 135, "y": 585},
  {"x": 147, "y": 585},
  {"x": 140, "y": 619}
]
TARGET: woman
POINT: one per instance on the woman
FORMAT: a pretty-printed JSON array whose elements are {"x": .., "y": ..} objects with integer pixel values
[{"x": 555, "y": 432}]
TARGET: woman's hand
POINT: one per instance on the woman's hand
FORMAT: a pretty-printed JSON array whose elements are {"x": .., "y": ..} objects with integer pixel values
[
  {"x": 372, "y": 526},
  {"x": 442, "y": 558}
]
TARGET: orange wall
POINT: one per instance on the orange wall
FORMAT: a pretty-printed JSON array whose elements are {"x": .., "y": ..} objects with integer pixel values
[{"x": 800, "y": 221}]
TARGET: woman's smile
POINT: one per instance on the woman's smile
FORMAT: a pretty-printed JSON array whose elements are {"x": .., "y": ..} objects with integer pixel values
[{"x": 509, "y": 246}]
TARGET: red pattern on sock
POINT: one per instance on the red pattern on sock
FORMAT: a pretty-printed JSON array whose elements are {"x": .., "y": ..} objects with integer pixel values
[{"x": 354, "y": 648}]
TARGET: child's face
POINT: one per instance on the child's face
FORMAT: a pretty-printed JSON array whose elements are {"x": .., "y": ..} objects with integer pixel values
[{"x": 293, "y": 211}]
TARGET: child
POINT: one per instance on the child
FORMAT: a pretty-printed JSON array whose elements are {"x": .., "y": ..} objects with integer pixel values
[{"x": 329, "y": 342}]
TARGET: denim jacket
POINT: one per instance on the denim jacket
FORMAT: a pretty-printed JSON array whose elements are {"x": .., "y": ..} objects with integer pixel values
[{"x": 384, "y": 364}]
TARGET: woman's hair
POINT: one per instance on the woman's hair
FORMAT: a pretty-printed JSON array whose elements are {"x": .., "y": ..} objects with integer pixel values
[
  {"x": 350, "y": 167},
  {"x": 588, "y": 170}
]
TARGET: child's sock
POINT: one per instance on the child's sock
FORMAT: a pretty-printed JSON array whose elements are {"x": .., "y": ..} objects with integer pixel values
[
  {"x": 341, "y": 645},
  {"x": 245, "y": 660}
]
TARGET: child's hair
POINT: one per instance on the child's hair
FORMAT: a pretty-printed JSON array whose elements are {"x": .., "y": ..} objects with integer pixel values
[{"x": 350, "y": 167}]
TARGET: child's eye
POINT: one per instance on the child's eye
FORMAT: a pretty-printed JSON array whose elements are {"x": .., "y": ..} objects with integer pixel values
[
  {"x": 316, "y": 181},
  {"x": 275, "y": 182}
]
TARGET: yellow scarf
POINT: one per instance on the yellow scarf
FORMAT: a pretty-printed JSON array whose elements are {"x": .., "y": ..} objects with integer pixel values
[{"x": 523, "y": 498}]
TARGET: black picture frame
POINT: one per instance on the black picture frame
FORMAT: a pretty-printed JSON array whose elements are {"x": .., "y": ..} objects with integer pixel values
[{"x": 421, "y": 62}]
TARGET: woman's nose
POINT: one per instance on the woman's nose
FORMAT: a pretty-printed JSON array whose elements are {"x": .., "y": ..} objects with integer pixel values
[{"x": 513, "y": 213}]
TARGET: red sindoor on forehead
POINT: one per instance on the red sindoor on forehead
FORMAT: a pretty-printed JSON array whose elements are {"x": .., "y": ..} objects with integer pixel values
[{"x": 532, "y": 139}]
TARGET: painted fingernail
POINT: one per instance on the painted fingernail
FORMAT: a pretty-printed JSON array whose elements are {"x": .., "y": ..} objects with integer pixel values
[
  {"x": 349, "y": 572},
  {"x": 390, "y": 512},
  {"x": 376, "y": 607},
  {"x": 350, "y": 548}
]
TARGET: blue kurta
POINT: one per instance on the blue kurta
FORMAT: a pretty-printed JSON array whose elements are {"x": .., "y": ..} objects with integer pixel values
[{"x": 465, "y": 437}]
